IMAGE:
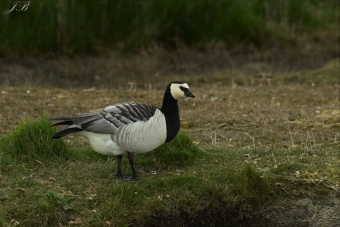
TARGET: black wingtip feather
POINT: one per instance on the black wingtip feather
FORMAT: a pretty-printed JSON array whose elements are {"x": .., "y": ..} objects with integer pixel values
[
  {"x": 65, "y": 132},
  {"x": 63, "y": 123}
]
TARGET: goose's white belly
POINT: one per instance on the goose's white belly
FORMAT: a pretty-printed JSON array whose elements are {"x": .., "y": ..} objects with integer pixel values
[
  {"x": 137, "y": 137},
  {"x": 102, "y": 143}
]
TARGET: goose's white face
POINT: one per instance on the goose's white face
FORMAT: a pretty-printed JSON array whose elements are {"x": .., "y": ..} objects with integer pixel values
[{"x": 180, "y": 90}]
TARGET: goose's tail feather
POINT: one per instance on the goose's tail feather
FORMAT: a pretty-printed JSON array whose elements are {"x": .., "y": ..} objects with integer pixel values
[
  {"x": 65, "y": 120},
  {"x": 65, "y": 132}
]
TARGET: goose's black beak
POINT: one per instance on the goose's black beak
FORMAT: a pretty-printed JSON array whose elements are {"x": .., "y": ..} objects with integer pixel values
[{"x": 188, "y": 93}]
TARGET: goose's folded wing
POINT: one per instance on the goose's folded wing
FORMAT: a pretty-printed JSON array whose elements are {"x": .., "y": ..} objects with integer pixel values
[{"x": 109, "y": 119}]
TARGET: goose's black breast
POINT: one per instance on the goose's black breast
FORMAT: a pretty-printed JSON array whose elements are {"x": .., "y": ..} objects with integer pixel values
[{"x": 172, "y": 126}]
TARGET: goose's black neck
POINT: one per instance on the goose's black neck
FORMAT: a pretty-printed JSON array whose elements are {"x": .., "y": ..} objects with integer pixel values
[{"x": 171, "y": 113}]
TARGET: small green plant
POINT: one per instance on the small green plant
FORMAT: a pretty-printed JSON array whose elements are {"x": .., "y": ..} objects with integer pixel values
[
  {"x": 31, "y": 140},
  {"x": 179, "y": 152},
  {"x": 52, "y": 202}
]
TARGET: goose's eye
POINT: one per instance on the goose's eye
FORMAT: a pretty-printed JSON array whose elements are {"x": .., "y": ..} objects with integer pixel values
[{"x": 184, "y": 89}]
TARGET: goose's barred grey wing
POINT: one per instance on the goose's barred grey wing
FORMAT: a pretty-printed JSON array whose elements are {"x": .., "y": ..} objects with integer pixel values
[{"x": 109, "y": 119}]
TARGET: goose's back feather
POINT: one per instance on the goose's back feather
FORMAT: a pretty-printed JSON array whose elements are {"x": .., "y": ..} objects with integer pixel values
[{"x": 109, "y": 119}]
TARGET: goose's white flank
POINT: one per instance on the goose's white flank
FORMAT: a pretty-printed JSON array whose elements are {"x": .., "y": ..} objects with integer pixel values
[{"x": 128, "y": 128}]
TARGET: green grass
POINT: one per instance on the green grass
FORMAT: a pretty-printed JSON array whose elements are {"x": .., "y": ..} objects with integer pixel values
[
  {"x": 2, "y": 219},
  {"x": 191, "y": 185},
  {"x": 31, "y": 141},
  {"x": 186, "y": 182},
  {"x": 90, "y": 26}
]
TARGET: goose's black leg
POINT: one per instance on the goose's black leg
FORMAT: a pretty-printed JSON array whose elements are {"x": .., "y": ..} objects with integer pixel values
[
  {"x": 119, "y": 173},
  {"x": 132, "y": 164}
]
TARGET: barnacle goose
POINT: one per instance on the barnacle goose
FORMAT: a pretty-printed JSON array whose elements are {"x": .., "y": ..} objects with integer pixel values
[{"x": 128, "y": 128}]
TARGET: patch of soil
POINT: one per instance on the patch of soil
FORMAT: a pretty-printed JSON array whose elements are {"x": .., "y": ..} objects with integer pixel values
[
  {"x": 319, "y": 211},
  {"x": 286, "y": 212}
]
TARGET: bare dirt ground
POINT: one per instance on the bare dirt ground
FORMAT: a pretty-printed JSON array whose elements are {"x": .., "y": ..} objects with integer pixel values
[{"x": 255, "y": 99}]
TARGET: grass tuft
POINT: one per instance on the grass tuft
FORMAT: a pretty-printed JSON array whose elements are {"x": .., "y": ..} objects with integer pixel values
[
  {"x": 31, "y": 141},
  {"x": 179, "y": 152},
  {"x": 252, "y": 183}
]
